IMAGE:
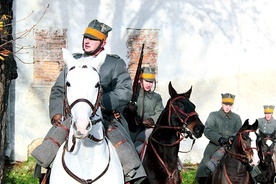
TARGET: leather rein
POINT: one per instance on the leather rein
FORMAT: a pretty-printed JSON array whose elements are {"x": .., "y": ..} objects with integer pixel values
[
  {"x": 94, "y": 108},
  {"x": 180, "y": 133},
  {"x": 241, "y": 157}
]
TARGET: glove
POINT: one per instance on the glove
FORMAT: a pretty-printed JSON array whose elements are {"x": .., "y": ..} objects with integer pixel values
[
  {"x": 56, "y": 119},
  {"x": 148, "y": 123},
  {"x": 222, "y": 141},
  {"x": 131, "y": 107},
  {"x": 231, "y": 139}
]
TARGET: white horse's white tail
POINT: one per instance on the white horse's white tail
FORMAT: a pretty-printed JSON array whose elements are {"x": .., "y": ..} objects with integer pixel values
[{"x": 87, "y": 155}]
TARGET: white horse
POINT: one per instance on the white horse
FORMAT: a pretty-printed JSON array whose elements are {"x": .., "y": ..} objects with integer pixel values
[{"x": 87, "y": 155}]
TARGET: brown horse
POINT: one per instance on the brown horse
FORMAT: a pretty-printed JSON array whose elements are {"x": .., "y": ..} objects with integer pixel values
[
  {"x": 265, "y": 143},
  {"x": 178, "y": 119},
  {"x": 234, "y": 167}
]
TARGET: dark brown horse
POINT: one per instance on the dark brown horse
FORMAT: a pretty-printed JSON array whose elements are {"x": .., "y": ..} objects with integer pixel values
[
  {"x": 234, "y": 167},
  {"x": 265, "y": 143},
  {"x": 178, "y": 119}
]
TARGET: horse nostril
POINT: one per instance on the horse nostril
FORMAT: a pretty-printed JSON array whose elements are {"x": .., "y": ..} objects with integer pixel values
[{"x": 88, "y": 126}]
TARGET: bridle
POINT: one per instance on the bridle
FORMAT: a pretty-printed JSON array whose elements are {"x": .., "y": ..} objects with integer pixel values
[
  {"x": 267, "y": 147},
  {"x": 94, "y": 108},
  {"x": 241, "y": 157},
  {"x": 180, "y": 131}
]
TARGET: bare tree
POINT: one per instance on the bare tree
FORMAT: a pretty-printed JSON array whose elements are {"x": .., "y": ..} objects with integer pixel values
[
  {"x": 8, "y": 71},
  {"x": 8, "y": 67}
]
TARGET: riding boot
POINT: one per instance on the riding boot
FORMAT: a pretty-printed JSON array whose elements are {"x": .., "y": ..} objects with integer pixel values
[
  {"x": 212, "y": 164},
  {"x": 202, "y": 180},
  {"x": 125, "y": 149}
]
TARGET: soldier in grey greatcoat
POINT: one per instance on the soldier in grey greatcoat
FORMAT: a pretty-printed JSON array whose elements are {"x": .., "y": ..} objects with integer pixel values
[
  {"x": 117, "y": 92},
  {"x": 267, "y": 124},
  {"x": 219, "y": 127},
  {"x": 149, "y": 108}
]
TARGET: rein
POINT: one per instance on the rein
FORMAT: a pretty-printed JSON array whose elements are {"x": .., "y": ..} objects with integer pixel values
[
  {"x": 83, "y": 181},
  {"x": 94, "y": 108},
  {"x": 268, "y": 152},
  {"x": 176, "y": 111},
  {"x": 241, "y": 157},
  {"x": 179, "y": 129},
  {"x": 170, "y": 174}
]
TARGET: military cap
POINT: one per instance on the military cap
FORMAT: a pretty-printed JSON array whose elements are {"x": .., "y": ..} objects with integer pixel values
[
  {"x": 268, "y": 109},
  {"x": 97, "y": 30},
  {"x": 228, "y": 98},
  {"x": 148, "y": 74}
]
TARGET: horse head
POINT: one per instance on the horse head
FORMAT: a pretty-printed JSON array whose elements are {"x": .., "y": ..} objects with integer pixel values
[
  {"x": 266, "y": 144},
  {"x": 82, "y": 87},
  {"x": 183, "y": 112},
  {"x": 242, "y": 142}
]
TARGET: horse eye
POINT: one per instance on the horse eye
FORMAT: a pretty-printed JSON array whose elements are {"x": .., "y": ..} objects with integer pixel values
[
  {"x": 97, "y": 85},
  {"x": 180, "y": 105},
  {"x": 68, "y": 84}
]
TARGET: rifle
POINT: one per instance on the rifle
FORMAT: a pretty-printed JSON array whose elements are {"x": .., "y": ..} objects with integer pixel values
[
  {"x": 130, "y": 112},
  {"x": 136, "y": 78}
]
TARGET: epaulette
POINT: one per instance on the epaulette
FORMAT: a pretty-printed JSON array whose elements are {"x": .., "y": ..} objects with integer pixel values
[
  {"x": 77, "y": 55},
  {"x": 114, "y": 55}
]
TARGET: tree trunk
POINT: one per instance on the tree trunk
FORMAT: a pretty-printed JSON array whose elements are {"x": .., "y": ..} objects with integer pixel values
[{"x": 7, "y": 72}]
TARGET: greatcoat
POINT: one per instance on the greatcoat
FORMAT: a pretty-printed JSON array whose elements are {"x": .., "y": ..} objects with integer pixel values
[{"x": 218, "y": 124}]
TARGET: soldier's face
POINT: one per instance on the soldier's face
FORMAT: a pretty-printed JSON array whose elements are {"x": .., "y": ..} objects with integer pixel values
[
  {"x": 89, "y": 45},
  {"x": 268, "y": 116},
  {"x": 147, "y": 85},
  {"x": 226, "y": 107}
]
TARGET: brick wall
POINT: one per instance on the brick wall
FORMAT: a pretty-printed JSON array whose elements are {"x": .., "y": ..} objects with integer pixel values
[
  {"x": 135, "y": 39},
  {"x": 48, "y": 60}
]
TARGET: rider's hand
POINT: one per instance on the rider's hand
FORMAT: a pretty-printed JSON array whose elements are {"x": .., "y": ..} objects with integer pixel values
[
  {"x": 56, "y": 119},
  {"x": 131, "y": 108},
  {"x": 148, "y": 123},
  {"x": 222, "y": 141},
  {"x": 231, "y": 139}
]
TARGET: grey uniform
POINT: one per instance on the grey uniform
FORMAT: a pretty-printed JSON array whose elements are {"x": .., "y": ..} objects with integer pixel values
[
  {"x": 267, "y": 127},
  {"x": 149, "y": 106},
  {"x": 218, "y": 124},
  {"x": 115, "y": 80}
]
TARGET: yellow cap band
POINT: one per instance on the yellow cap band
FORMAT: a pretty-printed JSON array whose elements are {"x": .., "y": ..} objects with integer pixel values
[
  {"x": 95, "y": 33},
  {"x": 268, "y": 111},
  {"x": 228, "y": 100},
  {"x": 148, "y": 76}
]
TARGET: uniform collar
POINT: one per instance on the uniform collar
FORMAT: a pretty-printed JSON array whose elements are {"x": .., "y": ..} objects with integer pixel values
[
  {"x": 223, "y": 114},
  {"x": 146, "y": 93}
]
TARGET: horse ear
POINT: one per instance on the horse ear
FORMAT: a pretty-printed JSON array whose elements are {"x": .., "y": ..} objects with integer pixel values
[
  {"x": 172, "y": 91},
  {"x": 255, "y": 125},
  {"x": 68, "y": 58},
  {"x": 244, "y": 125},
  {"x": 188, "y": 93}
]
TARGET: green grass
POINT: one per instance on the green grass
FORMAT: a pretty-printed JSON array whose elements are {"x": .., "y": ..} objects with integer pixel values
[
  {"x": 22, "y": 173},
  {"x": 188, "y": 177}
]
